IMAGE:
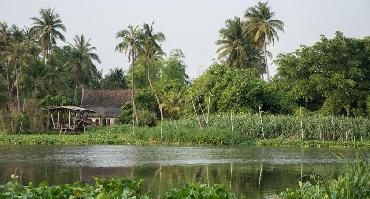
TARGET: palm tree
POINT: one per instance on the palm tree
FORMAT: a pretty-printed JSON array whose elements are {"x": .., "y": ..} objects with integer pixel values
[
  {"x": 236, "y": 47},
  {"x": 232, "y": 44},
  {"x": 82, "y": 61},
  {"x": 48, "y": 29},
  {"x": 18, "y": 55},
  {"x": 263, "y": 27},
  {"x": 131, "y": 45},
  {"x": 6, "y": 37},
  {"x": 151, "y": 48}
]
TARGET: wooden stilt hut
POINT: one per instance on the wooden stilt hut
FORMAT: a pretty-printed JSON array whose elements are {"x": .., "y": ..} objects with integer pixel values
[{"x": 76, "y": 118}]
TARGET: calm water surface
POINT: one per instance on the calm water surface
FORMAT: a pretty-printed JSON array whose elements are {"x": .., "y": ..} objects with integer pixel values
[{"x": 251, "y": 172}]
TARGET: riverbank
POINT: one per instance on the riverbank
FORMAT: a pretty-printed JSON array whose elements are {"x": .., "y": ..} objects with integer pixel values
[{"x": 182, "y": 136}]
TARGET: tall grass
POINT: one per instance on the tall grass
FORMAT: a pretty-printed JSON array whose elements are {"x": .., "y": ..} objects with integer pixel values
[
  {"x": 242, "y": 129},
  {"x": 274, "y": 126}
]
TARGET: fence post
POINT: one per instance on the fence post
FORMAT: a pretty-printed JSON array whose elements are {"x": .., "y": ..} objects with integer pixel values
[
  {"x": 209, "y": 104},
  {"x": 301, "y": 115},
  {"x": 196, "y": 114},
  {"x": 232, "y": 121},
  {"x": 260, "y": 112}
]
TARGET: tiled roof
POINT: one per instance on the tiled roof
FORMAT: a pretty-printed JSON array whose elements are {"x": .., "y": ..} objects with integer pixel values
[{"x": 105, "y": 102}]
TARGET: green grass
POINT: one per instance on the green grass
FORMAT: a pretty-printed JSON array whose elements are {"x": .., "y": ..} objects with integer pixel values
[{"x": 247, "y": 130}]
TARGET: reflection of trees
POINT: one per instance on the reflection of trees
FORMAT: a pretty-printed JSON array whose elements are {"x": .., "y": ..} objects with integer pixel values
[{"x": 241, "y": 178}]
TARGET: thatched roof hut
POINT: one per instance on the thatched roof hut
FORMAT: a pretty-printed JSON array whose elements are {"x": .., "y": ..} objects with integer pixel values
[{"x": 105, "y": 102}]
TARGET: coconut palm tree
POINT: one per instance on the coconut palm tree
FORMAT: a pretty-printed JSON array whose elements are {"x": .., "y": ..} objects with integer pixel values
[
  {"x": 131, "y": 45},
  {"x": 18, "y": 55},
  {"x": 264, "y": 28},
  {"x": 151, "y": 47},
  {"x": 237, "y": 49},
  {"x": 48, "y": 29},
  {"x": 6, "y": 37},
  {"x": 82, "y": 62}
]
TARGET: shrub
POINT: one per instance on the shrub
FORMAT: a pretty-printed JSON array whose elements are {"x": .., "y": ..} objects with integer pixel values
[
  {"x": 200, "y": 192},
  {"x": 353, "y": 183}
]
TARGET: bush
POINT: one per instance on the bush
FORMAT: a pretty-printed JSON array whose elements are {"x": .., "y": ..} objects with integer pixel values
[
  {"x": 108, "y": 188},
  {"x": 200, "y": 192},
  {"x": 353, "y": 183}
]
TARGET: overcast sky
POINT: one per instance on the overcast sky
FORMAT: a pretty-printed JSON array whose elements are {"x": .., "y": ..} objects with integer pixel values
[{"x": 191, "y": 25}]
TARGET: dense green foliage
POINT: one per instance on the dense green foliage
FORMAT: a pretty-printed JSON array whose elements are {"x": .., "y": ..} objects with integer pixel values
[
  {"x": 120, "y": 188},
  {"x": 227, "y": 89},
  {"x": 329, "y": 78},
  {"x": 103, "y": 189},
  {"x": 201, "y": 192},
  {"x": 353, "y": 183},
  {"x": 332, "y": 76}
]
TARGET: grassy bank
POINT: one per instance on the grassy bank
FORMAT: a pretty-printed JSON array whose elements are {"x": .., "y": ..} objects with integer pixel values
[
  {"x": 222, "y": 130},
  {"x": 123, "y": 135}
]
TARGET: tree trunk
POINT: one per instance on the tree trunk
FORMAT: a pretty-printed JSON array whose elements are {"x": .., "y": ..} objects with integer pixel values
[
  {"x": 8, "y": 82},
  {"x": 267, "y": 67},
  {"x": 156, "y": 97},
  {"x": 75, "y": 95},
  {"x": 134, "y": 111},
  {"x": 17, "y": 88}
]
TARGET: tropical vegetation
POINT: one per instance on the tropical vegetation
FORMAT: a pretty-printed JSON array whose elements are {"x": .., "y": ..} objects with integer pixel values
[
  {"x": 329, "y": 79},
  {"x": 354, "y": 182},
  {"x": 108, "y": 188}
]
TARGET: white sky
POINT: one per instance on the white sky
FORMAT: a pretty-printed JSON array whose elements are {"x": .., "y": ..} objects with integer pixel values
[{"x": 191, "y": 25}]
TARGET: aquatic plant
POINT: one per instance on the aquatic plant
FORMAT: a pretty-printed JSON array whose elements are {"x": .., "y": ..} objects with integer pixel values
[
  {"x": 353, "y": 183},
  {"x": 119, "y": 188}
]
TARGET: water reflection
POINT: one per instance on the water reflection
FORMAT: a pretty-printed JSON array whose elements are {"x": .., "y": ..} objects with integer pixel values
[{"x": 251, "y": 172}]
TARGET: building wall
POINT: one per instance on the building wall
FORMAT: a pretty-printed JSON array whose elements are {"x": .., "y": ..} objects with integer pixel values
[{"x": 108, "y": 120}]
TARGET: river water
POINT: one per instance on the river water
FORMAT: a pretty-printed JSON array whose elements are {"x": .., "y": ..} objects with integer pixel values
[{"x": 251, "y": 172}]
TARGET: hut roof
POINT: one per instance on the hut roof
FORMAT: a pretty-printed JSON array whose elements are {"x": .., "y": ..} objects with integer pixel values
[
  {"x": 70, "y": 108},
  {"x": 105, "y": 102}
]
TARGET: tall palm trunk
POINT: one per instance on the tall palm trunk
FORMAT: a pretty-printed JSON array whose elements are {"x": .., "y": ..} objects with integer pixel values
[
  {"x": 267, "y": 67},
  {"x": 134, "y": 111},
  {"x": 8, "y": 81},
  {"x": 18, "y": 102},
  {"x": 156, "y": 97},
  {"x": 75, "y": 95}
]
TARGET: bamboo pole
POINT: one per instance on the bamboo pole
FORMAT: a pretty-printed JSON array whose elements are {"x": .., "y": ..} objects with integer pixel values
[
  {"x": 301, "y": 123},
  {"x": 207, "y": 175},
  {"x": 260, "y": 176},
  {"x": 260, "y": 113},
  {"x": 232, "y": 121},
  {"x": 52, "y": 119},
  {"x": 209, "y": 104},
  {"x": 69, "y": 119},
  {"x": 58, "y": 119},
  {"x": 196, "y": 114},
  {"x": 231, "y": 174}
]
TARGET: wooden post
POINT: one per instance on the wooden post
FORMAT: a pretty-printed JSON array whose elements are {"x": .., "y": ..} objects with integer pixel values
[
  {"x": 332, "y": 123},
  {"x": 207, "y": 175},
  {"x": 69, "y": 119},
  {"x": 209, "y": 104},
  {"x": 260, "y": 176},
  {"x": 52, "y": 119},
  {"x": 196, "y": 114},
  {"x": 232, "y": 121},
  {"x": 231, "y": 174},
  {"x": 301, "y": 115},
  {"x": 58, "y": 119},
  {"x": 260, "y": 113}
]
